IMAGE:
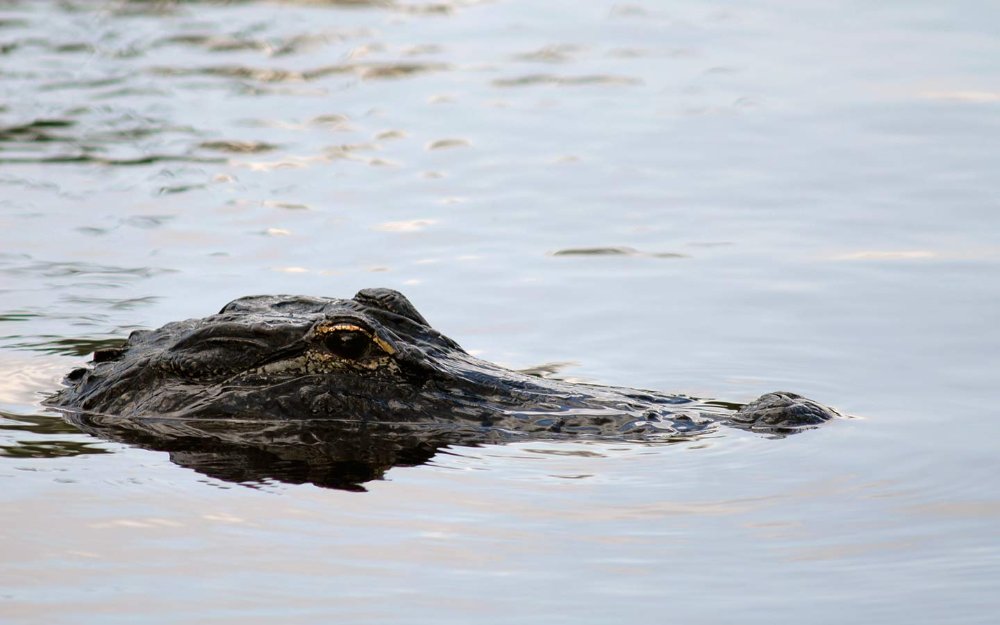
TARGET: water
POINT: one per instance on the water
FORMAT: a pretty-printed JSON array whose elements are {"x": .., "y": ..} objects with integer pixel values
[{"x": 801, "y": 196}]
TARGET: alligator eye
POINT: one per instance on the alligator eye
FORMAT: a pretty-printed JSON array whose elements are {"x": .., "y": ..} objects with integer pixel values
[{"x": 348, "y": 344}]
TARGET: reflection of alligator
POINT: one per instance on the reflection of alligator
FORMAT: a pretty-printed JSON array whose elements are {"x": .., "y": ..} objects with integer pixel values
[
  {"x": 314, "y": 382},
  {"x": 333, "y": 453}
]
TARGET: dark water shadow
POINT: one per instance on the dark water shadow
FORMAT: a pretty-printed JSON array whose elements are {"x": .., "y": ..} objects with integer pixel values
[
  {"x": 340, "y": 454},
  {"x": 329, "y": 453}
]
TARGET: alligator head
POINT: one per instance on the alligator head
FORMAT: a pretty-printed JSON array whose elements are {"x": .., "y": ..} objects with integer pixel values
[
  {"x": 274, "y": 375},
  {"x": 371, "y": 358}
]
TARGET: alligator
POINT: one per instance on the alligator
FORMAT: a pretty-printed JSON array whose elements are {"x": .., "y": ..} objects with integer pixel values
[{"x": 279, "y": 374}]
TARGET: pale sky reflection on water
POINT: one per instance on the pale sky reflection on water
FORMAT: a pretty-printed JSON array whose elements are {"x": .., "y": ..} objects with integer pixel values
[{"x": 704, "y": 198}]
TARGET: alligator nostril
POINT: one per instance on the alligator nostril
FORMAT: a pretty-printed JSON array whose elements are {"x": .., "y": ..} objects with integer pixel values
[{"x": 347, "y": 344}]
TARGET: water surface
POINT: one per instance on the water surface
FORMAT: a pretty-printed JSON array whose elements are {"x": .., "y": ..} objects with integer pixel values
[{"x": 706, "y": 198}]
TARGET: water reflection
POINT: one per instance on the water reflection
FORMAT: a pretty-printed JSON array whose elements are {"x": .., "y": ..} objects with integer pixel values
[
  {"x": 328, "y": 453},
  {"x": 339, "y": 454},
  {"x": 65, "y": 346},
  {"x": 99, "y": 135},
  {"x": 38, "y": 436}
]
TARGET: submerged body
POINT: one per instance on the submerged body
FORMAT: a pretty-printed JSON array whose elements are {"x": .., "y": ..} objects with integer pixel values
[{"x": 374, "y": 359}]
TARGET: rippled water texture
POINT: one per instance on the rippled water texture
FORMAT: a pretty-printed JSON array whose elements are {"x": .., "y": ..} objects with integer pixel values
[{"x": 711, "y": 198}]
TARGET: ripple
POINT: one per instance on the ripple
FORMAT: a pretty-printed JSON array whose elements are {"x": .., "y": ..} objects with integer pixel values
[
  {"x": 279, "y": 46},
  {"x": 412, "y": 225},
  {"x": 614, "y": 251},
  {"x": 291, "y": 206},
  {"x": 113, "y": 303},
  {"x": 13, "y": 23},
  {"x": 173, "y": 7},
  {"x": 49, "y": 449},
  {"x": 39, "y": 436},
  {"x": 146, "y": 221},
  {"x": 378, "y": 71},
  {"x": 388, "y": 135},
  {"x": 367, "y": 71},
  {"x": 233, "y": 71},
  {"x": 50, "y": 269},
  {"x": 245, "y": 202},
  {"x": 58, "y": 48},
  {"x": 178, "y": 188},
  {"x": 333, "y": 121},
  {"x": 550, "y": 54},
  {"x": 100, "y": 160},
  {"x": 238, "y": 147},
  {"x": 448, "y": 144},
  {"x": 85, "y": 83},
  {"x": 104, "y": 135},
  {"x": 49, "y": 344},
  {"x": 597, "y": 251},
  {"x": 19, "y": 316},
  {"x": 36, "y": 131},
  {"x": 566, "y": 81},
  {"x": 292, "y": 162},
  {"x": 638, "y": 53}
]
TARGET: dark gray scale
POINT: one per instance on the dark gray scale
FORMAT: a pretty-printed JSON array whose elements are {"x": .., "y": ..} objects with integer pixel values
[
  {"x": 374, "y": 360},
  {"x": 392, "y": 301}
]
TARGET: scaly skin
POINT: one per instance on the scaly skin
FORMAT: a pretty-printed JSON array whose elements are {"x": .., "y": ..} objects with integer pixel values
[
  {"x": 334, "y": 392},
  {"x": 374, "y": 359}
]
